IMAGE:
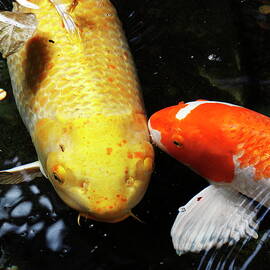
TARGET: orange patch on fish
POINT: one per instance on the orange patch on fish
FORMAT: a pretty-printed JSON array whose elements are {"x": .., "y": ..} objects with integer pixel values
[
  {"x": 139, "y": 155},
  {"x": 109, "y": 150},
  {"x": 42, "y": 122},
  {"x": 121, "y": 198},
  {"x": 43, "y": 100},
  {"x": 111, "y": 66},
  {"x": 55, "y": 168}
]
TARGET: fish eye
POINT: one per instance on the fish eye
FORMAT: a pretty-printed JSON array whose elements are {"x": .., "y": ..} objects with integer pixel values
[
  {"x": 178, "y": 144},
  {"x": 58, "y": 173},
  {"x": 57, "y": 178}
]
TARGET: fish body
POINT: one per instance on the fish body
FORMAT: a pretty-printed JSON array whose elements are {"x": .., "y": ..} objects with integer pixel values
[
  {"x": 230, "y": 147},
  {"x": 77, "y": 91}
]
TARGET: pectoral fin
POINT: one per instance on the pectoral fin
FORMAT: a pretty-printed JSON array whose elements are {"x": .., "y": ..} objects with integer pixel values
[
  {"x": 215, "y": 216},
  {"x": 64, "y": 12},
  {"x": 24, "y": 173},
  {"x": 27, "y": 4},
  {"x": 15, "y": 29}
]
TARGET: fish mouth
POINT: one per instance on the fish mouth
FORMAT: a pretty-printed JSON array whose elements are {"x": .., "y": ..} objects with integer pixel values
[
  {"x": 73, "y": 199},
  {"x": 81, "y": 204},
  {"x": 155, "y": 136}
]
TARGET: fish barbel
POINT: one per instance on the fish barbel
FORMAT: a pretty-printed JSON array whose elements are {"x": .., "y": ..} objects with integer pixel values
[
  {"x": 230, "y": 147},
  {"x": 77, "y": 91}
]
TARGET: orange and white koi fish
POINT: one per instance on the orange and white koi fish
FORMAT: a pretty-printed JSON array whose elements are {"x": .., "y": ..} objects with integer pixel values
[
  {"x": 77, "y": 92},
  {"x": 230, "y": 147}
]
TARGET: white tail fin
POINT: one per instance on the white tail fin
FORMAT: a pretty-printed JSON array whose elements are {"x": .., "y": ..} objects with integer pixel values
[{"x": 215, "y": 216}]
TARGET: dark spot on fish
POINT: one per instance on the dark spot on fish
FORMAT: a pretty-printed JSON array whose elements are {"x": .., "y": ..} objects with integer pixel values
[
  {"x": 50, "y": 40},
  {"x": 62, "y": 147},
  {"x": 199, "y": 198},
  {"x": 38, "y": 60},
  {"x": 178, "y": 144},
  {"x": 73, "y": 5}
]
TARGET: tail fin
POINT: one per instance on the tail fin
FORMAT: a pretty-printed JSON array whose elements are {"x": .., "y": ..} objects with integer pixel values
[{"x": 215, "y": 216}]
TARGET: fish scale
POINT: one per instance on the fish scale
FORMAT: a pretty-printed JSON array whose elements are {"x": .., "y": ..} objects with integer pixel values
[{"x": 254, "y": 139}]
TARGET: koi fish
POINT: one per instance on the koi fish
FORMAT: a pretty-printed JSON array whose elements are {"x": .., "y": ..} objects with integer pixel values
[
  {"x": 230, "y": 147},
  {"x": 77, "y": 91}
]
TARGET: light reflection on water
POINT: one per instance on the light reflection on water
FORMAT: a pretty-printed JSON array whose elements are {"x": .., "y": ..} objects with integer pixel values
[
  {"x": 55, "y": 234},
  {"x": 23, "y": 209},
  {"x": 17, "y": 215},
  {"x": 45, "y": 202}
]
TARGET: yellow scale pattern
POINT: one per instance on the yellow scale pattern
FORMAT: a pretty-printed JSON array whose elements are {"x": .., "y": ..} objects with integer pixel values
[{"x": 71, "y": 77}]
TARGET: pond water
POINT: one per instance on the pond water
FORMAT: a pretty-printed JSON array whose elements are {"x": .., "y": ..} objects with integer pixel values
[{"x": 183, "y": 50}]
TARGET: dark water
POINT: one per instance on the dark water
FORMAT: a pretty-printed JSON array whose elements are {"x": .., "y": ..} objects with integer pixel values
[{"x": 184, "y": 50}]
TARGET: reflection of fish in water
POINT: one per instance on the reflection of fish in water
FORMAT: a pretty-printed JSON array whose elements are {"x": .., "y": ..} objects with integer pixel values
[
  {"x": 230, "y": 147},
  {"x": 77, "y": 91}
]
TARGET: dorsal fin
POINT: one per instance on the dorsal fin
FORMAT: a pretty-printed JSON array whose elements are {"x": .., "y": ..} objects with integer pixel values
[{"x": 63, "y": 11}]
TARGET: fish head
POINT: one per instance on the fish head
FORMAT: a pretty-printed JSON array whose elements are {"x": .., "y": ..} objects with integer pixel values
[
  {"x": 101, "y": 174},
  {"x": 185, "y": 138},
  {"x": 200, "y": 135},
  {"x": 166, "y": 132}
]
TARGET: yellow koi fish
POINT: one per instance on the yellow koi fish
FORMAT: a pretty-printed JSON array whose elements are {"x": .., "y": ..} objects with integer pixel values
[{"x": 77, "y": 92}]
